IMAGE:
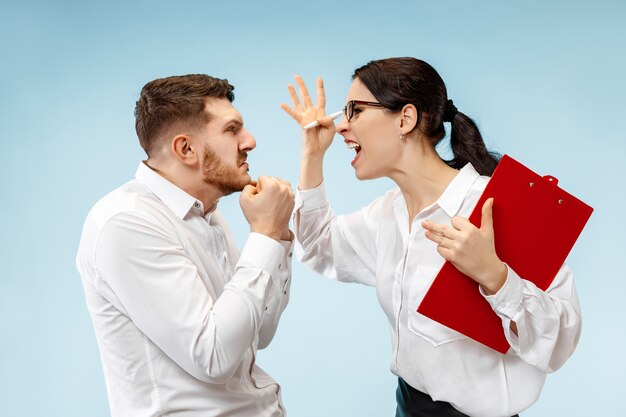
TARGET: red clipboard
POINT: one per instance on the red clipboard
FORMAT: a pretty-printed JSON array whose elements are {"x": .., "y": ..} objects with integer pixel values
[{"x": 535, "y": 223}]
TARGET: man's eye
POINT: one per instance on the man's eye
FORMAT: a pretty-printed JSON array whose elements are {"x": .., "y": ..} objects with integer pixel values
[{"x": 231, "y": 129}]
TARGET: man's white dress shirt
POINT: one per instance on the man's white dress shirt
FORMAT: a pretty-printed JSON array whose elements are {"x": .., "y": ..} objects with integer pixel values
[
  {"x": 178, "y": 312},
  {"x": 373, "y": 246}
]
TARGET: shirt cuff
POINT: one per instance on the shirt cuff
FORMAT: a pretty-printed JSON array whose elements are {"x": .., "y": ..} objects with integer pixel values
[
  {"x": 263, "y": 252},
  {"x": 311, "y": 199},
  {"x": 508, "y": 298}
]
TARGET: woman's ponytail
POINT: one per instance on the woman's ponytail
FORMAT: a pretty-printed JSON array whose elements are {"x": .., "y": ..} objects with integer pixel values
[{"x": 467, "y": 145}]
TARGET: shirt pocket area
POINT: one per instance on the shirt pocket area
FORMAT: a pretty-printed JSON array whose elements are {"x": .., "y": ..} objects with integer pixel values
[{"x": 420, "y": 325}]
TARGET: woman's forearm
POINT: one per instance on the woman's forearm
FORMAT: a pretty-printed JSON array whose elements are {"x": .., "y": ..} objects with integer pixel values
[{"x": 311, "y": 171}]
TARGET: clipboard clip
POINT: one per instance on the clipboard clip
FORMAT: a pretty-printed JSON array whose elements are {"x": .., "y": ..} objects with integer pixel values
[{"x": 551, "y": 180}]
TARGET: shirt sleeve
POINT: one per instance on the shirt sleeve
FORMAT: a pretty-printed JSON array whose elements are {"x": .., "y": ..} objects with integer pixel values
[
  {"x": 338, "y": 247},
  {"x": 148, "y": 276},
  {"x": 548, "y": 322},
  {"x": 277, "y": 303}
]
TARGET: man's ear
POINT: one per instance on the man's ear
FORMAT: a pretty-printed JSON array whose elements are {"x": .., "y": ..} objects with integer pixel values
[
  {"x": 184, "y": 150},
  {"x": 408, "y": 118}
]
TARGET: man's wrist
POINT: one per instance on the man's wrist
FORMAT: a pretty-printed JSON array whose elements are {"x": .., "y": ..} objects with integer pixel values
[
  {"x": 269, "y": 233},
  {"x": 287, "y": 235}
]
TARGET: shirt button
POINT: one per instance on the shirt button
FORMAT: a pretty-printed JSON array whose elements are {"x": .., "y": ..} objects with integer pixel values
[
  {"x": 280, "y": 266},
  {"x": 265, "y": 308},
  {"x": 290, "y": 254},
  {"x": 285, "y": 292}
]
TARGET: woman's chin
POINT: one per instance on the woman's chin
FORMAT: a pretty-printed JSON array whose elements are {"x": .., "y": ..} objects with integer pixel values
[{"x": 364, "y": 175}]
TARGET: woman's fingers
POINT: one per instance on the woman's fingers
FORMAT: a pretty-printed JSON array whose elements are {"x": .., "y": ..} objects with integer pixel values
[
  {"x": 304, "y": 93},
  {"x": 486, "y": 222},
  {"x": 303, "y": 110},
  {"x": 462, "y": 223},
  {"x": 440, "y": 240},
  {"x": 326, "y": 122},
  {"x": 294, "y": 114},
  {"x": 321, "y": 95},
  {"x": 441, "y": 229},
  {"x": 294, "y": 97}
]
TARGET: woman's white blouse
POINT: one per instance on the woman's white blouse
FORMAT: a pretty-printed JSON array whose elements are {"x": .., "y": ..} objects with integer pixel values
[{"x": 373, "y": 246}]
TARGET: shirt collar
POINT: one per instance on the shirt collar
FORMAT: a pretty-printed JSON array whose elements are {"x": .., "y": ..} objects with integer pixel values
[
  {"x": 454, "y": 194},
  {"x": 171, "y": 195}
]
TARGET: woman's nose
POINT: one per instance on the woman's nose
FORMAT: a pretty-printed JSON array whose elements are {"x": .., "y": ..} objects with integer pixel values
[{"x": 343, "y": 126}]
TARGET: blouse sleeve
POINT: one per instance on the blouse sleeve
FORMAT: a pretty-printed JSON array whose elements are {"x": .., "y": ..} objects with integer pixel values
[
  {"x": 338, "y": 247},
  {"x": 548, "y": 322}
]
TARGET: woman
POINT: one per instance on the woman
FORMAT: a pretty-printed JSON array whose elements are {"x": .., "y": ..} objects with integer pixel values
[{"x": 394, "y": 117}]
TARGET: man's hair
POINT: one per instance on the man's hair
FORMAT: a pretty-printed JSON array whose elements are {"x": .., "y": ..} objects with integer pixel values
[{"x": 170, "y": 100}]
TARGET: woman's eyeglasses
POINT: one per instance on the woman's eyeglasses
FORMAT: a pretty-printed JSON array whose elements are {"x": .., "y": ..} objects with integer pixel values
[{"x": 349, "y": 108}]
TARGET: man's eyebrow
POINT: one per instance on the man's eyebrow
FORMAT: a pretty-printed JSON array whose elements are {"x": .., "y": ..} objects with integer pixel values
[{"x": 234, "y": 121}]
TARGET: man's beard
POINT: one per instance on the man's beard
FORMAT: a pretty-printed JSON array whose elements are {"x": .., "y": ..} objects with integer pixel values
[{"x": 227, "y": 178}]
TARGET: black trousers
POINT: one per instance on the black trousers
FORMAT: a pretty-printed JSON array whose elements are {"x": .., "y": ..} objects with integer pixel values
[{"x": 414, "y": 403}]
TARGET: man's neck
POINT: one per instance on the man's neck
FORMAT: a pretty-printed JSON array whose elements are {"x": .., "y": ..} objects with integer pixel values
[{"x": 207, "y": 194}]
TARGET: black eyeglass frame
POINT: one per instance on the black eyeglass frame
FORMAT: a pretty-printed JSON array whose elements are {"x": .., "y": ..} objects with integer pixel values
[{"x": 348, "y": 109}]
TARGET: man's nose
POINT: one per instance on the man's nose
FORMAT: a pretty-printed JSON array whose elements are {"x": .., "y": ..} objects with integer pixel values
[{"x": 248, "y": 143}]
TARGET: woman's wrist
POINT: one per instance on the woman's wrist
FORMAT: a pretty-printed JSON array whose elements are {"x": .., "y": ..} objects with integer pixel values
[
  {"x": 311, "y": 171},
  {"x": 494, "y": 279},
  {"x": 313, "y": 156}
]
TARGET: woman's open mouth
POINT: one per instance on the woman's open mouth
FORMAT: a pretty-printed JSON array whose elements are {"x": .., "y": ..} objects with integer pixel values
[{"x": 357, "y": 148}]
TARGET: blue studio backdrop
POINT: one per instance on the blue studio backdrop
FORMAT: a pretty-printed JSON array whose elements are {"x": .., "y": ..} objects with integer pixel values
[{"x": 544, "y": 81}]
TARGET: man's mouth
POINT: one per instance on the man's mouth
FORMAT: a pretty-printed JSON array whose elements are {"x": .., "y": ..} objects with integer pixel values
[{"x": 243, "y": 158}]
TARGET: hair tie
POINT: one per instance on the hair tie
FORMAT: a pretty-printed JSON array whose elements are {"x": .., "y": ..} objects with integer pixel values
[{"x": 449, "y": 111}]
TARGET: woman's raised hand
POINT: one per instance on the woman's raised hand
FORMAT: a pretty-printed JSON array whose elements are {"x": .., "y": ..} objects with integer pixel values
[{"x": 316, "y": 140}]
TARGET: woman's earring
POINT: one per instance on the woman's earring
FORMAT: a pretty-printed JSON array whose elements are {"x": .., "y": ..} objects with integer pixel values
[{"x": 402, "y": 137}]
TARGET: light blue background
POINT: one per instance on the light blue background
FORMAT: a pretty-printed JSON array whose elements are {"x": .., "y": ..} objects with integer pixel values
[{"x": 545, "y": 82}]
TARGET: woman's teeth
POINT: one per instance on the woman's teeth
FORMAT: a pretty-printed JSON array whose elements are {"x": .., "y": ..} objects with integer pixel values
[{"x": 354, "y": 145}]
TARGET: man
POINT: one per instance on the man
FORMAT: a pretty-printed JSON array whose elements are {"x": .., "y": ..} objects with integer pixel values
[{"x": 178, "y": 312}]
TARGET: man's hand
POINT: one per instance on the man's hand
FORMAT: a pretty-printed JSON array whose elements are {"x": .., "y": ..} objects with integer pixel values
[{"x": 267, "y": 206}]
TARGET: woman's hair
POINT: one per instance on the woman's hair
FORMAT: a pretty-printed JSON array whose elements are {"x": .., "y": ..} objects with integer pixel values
[{"x": 396, "y": 82}]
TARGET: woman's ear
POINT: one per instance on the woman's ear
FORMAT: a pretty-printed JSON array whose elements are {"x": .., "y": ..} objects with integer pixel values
[{"x": 408, "y": 119}]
